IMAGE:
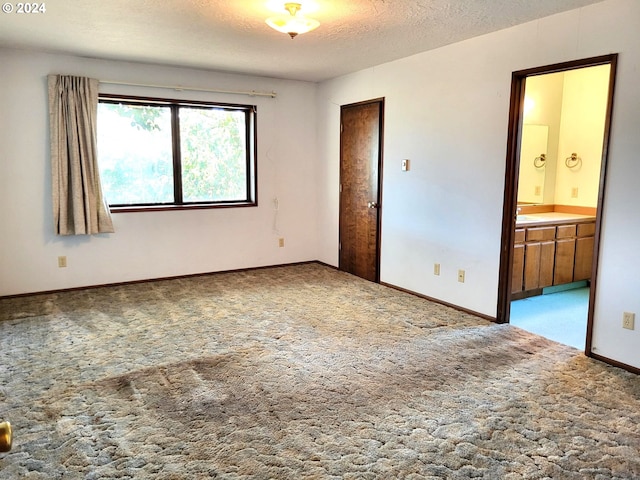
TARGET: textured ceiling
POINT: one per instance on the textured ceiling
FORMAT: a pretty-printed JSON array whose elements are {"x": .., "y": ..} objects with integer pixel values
[{"x": 231, "y": 35}]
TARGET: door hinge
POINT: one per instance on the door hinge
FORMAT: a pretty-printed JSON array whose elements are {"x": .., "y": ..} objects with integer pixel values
[
  {"x": 341, "y": 128},
  {"x": 339, "y": 245},
  {"x": 340, "y": 188}
]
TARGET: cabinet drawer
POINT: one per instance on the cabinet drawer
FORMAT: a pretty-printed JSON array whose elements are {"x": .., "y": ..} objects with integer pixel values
[
  {"x": 586, "y": 229},
  {"x": 541, "y": 233},
  {"x": 519, "y": 237},
  {"x": 566, "y": 231}
]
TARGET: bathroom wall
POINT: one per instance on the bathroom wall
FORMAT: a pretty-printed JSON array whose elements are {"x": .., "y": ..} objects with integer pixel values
[{"x": 584, "y": 104}]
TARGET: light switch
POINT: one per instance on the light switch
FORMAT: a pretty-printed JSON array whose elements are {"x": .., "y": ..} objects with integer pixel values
[{"x": 405, "y": 165}]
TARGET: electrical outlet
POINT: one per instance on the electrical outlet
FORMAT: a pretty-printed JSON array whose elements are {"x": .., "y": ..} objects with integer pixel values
[
  {"x": 628, "y": 320},
  {"x": 574, "y": 192},
  {"x": 405, "y": 165},
  {"x": 62, "y": 262},
  {"x": 538, "y": 190},
  {"x": 461, "y": 276},
  {"x": 436, "y": 269},
  {"x": 281, "y": 242}
]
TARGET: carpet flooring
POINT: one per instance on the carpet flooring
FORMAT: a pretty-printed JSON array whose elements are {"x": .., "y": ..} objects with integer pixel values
[{"x": 298, "y": 372}]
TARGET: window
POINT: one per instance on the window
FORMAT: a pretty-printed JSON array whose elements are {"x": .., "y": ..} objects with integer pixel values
[{"x": 156, "y": 154}]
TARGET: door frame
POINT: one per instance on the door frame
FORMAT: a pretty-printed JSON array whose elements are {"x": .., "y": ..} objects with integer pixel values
[
  {"x": 516, "y": 113},
  {"x": 380, "y": 102}
]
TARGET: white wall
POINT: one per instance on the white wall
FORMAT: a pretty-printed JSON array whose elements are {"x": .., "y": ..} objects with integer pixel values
[
  {"x": 151, "y": 244},
  {"x": 584, "y": 109},
  {"x": 534, "y": 142},
  {"x": 447, "y": 111}
]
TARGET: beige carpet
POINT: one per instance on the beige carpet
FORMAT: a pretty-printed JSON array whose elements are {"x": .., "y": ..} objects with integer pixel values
[{"x": 298, "y": 372}]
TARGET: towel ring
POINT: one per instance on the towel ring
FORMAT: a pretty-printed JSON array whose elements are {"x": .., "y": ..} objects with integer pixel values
[
  {"x": 539, "y": 162},
  {"x": 573, "y": 161}
]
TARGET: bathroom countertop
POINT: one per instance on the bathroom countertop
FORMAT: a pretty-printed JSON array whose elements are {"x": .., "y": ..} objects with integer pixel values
[{"x": 548, "y": 218}]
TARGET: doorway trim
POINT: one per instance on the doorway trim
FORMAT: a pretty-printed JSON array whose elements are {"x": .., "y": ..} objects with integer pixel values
[
  {"x": 381, "y": 104},
  {"x": 516, "y": 111}
]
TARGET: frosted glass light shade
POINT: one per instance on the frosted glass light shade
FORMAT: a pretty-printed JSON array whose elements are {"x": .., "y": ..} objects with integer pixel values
[{"x": 292, "y": 24}]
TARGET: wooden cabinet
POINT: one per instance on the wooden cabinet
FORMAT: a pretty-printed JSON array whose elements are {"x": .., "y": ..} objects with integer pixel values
[
  {"x": 584, "y": 251},
  {"x": 547, "y": 260},
  {"x": 518, "y": 262},
  {"x": 552, "y": 254},
  {"x": 565, "y": 256},
  {"x": 539, "y": 254}
]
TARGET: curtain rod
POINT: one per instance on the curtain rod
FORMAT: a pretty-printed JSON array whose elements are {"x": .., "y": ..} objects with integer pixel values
[{"x": 251, "y": 93}]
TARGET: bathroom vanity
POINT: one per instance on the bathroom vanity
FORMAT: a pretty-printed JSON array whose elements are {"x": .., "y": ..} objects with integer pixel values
[{"x": 551, "y": 248}]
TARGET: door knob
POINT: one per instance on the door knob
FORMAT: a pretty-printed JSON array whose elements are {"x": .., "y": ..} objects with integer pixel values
[
  {"x": 6, "y": 436},
  {"x": 372, "y": 204}
]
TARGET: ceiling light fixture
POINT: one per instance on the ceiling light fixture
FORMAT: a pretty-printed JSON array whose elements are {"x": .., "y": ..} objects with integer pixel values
[{"x": 293, "y": 24}]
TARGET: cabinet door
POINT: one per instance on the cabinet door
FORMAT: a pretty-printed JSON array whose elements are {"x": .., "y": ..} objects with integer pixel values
[
  {"x": 584, "y": 259},
  {"x": 565, "y": 253},
  {"x": 547, "y": 262},
  {"x": 532, "y": 266},
  {"x": 518, "y": 268}
]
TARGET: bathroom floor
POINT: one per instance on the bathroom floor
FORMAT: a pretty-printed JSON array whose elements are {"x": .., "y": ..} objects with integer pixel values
[{"x": 560, "y": 316}]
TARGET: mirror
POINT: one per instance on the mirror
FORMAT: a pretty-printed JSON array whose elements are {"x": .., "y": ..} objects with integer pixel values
[{"x": 534, "y": 163}]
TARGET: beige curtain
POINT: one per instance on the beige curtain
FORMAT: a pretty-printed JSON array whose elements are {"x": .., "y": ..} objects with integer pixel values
[{"x": 78, "y": 205}]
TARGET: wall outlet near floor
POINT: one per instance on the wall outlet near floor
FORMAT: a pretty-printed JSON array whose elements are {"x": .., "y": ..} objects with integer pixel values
[
  {"x": 461, "y": 276},
  {"x": 281, "y": 242},
  {"x": 574, "y": 192},
  {"x": 628, "y": 320},
  {"x": 62, "y": 262},
  {"x": 436, "y": 269}
]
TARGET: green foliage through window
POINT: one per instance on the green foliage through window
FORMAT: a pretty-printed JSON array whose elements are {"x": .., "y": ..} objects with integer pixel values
[
  {"x": 154, "y": 153},
  {"x": 213, "y": 150}
]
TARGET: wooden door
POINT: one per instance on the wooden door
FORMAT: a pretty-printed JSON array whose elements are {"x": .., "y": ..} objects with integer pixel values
[{"x": 360, "y": 195}]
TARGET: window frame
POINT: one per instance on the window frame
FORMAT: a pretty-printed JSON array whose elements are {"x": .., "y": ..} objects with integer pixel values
[{"x": 251, "y": 160}]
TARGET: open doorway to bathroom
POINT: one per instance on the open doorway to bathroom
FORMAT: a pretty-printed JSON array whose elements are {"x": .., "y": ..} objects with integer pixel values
[{"x": 558, "y": 135}]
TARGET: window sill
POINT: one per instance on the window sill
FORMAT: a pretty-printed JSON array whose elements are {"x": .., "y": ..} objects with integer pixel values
[{"x": 169, "y": 208}]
